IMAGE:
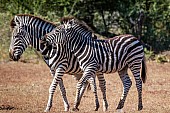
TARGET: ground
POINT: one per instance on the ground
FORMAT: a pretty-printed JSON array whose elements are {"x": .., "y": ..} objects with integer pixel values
[{"x": 24, "y": 89}]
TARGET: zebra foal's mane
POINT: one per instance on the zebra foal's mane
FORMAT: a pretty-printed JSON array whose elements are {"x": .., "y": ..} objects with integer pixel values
[
  {"x": 77, "y": 21},
  {"x": 13, "y": 24}
]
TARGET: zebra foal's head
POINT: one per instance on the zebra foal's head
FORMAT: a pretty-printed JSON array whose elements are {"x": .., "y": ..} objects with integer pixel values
[
  {"x": 19, "y": 39},
  {"x": 56, "y": 36},
  {"x": 62, "y": 33},
  {"x": 48, "y": 42}
]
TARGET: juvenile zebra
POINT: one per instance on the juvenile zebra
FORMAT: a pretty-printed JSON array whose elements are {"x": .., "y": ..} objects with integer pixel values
[
  {"x": 101, "y": 56},
  {"x": 28, "y": 30},
  {"x": 51, "y": 52}
]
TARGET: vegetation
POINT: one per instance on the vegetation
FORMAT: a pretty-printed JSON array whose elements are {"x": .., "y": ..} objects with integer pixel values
[{"x": 149, "y": 20}]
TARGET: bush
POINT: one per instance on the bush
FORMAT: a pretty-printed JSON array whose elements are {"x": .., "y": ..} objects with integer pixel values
[{"x": 5, "y": 34}]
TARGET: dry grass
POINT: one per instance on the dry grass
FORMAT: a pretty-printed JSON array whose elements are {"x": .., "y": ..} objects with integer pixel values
[{"x": 24, "y": 89}]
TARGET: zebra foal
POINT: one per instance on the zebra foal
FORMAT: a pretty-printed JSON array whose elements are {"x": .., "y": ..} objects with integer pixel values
[{"x": 102, "y": 56}]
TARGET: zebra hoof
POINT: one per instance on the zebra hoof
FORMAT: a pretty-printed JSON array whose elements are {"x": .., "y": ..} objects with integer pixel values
[
  {"x": 96, "y": 109},
  {"x": 105, "y": 107},
  {"x": 97, "y": 106},
  {"x": 66, "y": 109},
  {"x": 140, "y": 108},
  {"x": 75, "y": 109},
  {"x": 47, "y": 110}
]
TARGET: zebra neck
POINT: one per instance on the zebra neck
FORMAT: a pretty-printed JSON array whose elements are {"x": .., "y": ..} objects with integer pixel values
[
  {"x": 37, "y": 32},
  {"x": 77, "y": 46}
]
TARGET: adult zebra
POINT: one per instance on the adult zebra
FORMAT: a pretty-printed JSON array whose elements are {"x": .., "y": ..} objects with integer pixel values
[
  {"x": 105, "y": 56},
  {"x": 28, "y": 30}
]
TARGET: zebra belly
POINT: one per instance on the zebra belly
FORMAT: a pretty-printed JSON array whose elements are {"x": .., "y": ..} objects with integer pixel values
[{"x": 108, "y": 65}]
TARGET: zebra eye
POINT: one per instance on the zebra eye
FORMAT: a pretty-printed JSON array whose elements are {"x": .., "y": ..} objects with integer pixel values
[
  {"x": 57, "y": 31},
  {"x": 70, "y": 22}
]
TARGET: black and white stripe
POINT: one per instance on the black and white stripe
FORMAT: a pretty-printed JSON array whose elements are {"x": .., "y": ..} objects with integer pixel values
[
  {"x": 102, "y": 56},
  {"x": 28, "y": 30}
]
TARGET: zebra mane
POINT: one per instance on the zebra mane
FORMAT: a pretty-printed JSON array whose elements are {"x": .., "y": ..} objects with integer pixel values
[
  {"x": 79, "y": 22},
  {"x": 13, "y": 24}
]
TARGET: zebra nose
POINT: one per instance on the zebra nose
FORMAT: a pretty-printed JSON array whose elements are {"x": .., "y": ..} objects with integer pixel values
[
  {"x": 16, "y": 58},
  {"x": 45, "y": 36},
  {"x": 12, "y": 56}
]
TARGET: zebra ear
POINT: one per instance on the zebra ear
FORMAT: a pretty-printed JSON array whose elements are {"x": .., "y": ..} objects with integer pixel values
[
  {"x": 94, "y": 36},
  {"x": 17, "y": 22},
  {"x": 71, "y": 22}
]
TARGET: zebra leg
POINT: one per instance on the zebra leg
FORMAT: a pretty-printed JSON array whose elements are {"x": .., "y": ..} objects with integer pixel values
[
  {"x": 63, "y": 94},
  {"x": 136, "y": 72},
  {"x": 77, "y": 99},
  {"x": 102, "y": 85},
  {"x": 57, "y": 78},
  {"x": 94, "y": 89},
  {"x": 82, "y": 90},
  {"x": 126, "y": 86}
]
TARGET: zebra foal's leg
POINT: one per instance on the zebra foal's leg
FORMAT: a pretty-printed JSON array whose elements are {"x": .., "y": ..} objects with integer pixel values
[
  {"x": 92, "y": 82},
  {"x": 79, "y": 94},
  {"x": 77, "y": 78},
  {"x": 63, "y": 94},
  {"x": 126, "y": 86},
  {"x": 57, "y": 78},
  {"x": 102, "y": 85},
  {"x": 87, "y": 76}
]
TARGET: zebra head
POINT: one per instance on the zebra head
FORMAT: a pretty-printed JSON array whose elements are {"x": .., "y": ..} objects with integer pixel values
[
  {"x": 61, "y": 34},
  {"x": 51, "y": 42},
  {"x": 19, "y": 39},
  {"x": 56, "y": 36},
  {"x": 50, "y": 48}
]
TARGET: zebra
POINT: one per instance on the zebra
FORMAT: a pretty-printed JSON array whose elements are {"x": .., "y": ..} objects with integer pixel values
[
  {"x": 28, "y": 30},
  {"x": 102, "y": 56},
  {"x": 50, "y": 52}
]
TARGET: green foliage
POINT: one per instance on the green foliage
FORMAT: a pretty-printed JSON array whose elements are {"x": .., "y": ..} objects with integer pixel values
[
  {"x": 105, "y": 17},
  {"x": 149, "y": 54},
  {"x": 161, "y": 59},
  {"x": 4, "y": 35},
  {"x": 157, "y": 25}
]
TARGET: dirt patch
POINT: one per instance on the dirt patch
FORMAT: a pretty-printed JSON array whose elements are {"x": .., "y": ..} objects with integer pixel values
[{"x": 24, "y": 89}]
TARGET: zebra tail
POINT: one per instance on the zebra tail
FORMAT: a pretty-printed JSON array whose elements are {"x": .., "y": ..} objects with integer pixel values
[{"x": 144, "y": 70}]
